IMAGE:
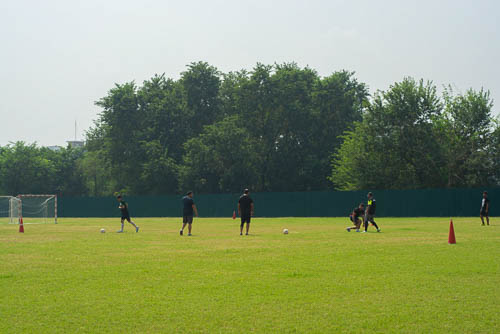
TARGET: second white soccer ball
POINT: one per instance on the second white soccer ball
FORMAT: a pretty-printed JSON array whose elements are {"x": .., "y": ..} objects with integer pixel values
[
  {"x": 285, "y": 231},
  {"x": 103, "y": 230}
]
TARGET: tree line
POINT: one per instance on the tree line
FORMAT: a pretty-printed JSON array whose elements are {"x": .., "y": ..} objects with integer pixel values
[{"x": 275, "y": 128}]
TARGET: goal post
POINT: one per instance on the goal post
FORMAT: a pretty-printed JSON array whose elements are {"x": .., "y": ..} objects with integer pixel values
[
  {"x": 10, "y": 207},
  {"x": 38, "y": 209}
]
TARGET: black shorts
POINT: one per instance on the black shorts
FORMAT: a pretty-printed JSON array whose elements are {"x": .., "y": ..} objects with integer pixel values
[
  {"x": 245, "y": 220},
  {"x": 187, "y": 219},
  {"x": 126, "y": 217},
  {"x": 484, "y": 213},
  {"x": 369, "y": 217}
]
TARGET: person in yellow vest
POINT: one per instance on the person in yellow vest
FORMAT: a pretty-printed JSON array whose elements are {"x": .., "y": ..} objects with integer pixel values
[{"x": 370, "y": 213}]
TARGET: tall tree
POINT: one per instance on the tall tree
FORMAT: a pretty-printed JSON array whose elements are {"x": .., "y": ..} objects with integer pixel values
[
  {"x": 164, "y": 114},
  {"x": 494, "y": 153},
  {"x": 338, "y": 100},
  {"x": 97, "y": 173},
  {"x": 410, "y": 138},
  {"x": 399, "y": 144},
  {"x": 122, "y": 123},
  {"x": 201, "y": 83},
  {"x": 275, "y": 105},
  {"x": 221, "y": 159},
  {"x": 466, "y": 132},
  {"x": 159, "y": 170}
]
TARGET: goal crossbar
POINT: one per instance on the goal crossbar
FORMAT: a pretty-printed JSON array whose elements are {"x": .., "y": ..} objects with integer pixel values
[{"x": 41, "y": 209}]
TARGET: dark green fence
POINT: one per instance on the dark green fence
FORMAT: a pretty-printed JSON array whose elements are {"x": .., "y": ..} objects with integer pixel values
[{"x": 390, "y": 203}]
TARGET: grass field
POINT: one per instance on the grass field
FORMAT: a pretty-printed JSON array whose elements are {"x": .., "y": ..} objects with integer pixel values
[{"x": 69, "y": 278}]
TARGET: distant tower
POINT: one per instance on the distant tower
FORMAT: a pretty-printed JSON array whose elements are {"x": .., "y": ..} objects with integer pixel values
[{"x": 76, "y": 143}]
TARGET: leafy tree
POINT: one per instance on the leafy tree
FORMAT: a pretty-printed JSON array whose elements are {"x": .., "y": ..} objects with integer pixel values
[
  {"x": 221, "y": 159},
  {"x": 338, "y": 100},
  {"x": 466, "y": 136},
  {"x": 25, "y": 169},
  {"x": 230, "y": 92},
  {"x": 410, "y": 138},
  {"x": 159, "y": 170},
  {"x": 68, "y": 178},
  {"x": 164, "y": 116},
  {"x": 493, "y": 148},
  {"x": 38, "y": 170},
  {"x": 275, "y": 106},
  {"x": 275, "y": 128},
  {"x": 96, "y": 174},
  {"x": 349, "y": 170},
  {"x": 201, "y": 84},
  {"x": 399, "y": 146},
  {"x": 122, "y": 126},
  {"x": 292, "y": 116}
]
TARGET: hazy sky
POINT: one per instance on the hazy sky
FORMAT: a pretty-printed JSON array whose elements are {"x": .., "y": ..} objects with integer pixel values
[{"x": 58, "y": 57}]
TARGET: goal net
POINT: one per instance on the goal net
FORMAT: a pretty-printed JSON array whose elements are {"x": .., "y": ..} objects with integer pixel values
[
  {"x": 9, "y": 210},
  {"x": 38, "y": 209}
]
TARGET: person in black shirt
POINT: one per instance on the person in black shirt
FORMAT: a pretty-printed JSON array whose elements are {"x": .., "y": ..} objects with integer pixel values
[
  {"x": 125, "y": 214},
  {"x": 245, "y": 210},
  {"x": 485, "y": 208},
  {"x": 370, "y": 212},
  {"x": 187, "y": 213},
  {"x": 355, "y": 217}
]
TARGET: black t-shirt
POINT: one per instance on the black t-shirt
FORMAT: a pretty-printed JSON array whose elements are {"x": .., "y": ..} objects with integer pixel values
[
  {"x": 372, "y": 206},
  {"x": 188, "y": 206},
  {"x": 245, "y": 205},
  {"x": 358, "y": 212},
  {"x": 485, "y": 203},
  {"x": 124, "y": 208}
]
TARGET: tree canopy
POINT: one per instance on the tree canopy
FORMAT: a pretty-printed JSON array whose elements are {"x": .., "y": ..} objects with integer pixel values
[
  {"x": 274, "y": 128},
  {"x": 411, "y": 138}
]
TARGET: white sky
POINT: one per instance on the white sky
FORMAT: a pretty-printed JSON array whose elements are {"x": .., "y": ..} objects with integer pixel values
[{"x": 58, "y": 57}]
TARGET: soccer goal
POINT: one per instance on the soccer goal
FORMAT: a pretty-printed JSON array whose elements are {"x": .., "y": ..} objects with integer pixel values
[
  {"x": 38, "y": 209},
  {"x": 10, "y": 207}
]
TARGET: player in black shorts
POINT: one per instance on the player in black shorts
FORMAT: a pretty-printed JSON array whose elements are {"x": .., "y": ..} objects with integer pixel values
[
  {"x": 356, "y": 216},
  {"x": 125, "y": 214},
  {"x": 485, "y": 208},
  {"x": 245, "y": 210},
  {"x": 187, "y": 212},
  {"x": 370, "y": 213}
]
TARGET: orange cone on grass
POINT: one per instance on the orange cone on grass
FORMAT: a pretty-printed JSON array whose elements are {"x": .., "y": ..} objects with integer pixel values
[
  {"x": 234, "y": 214},
  {"x": 451, "y": 236},
  {"x": 21, "y": 225}
]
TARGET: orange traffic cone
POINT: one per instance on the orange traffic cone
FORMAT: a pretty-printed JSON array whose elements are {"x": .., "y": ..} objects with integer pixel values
[
  {"x": 234, "y": 214},
  {"x": 451, "y": 236},
  {"x": 21, "y": 225}
]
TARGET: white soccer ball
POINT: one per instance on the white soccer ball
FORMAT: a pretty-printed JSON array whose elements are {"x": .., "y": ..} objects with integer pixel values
[
  {"x": 285, "y": 231},
  {"x": 103, "y": 230}
]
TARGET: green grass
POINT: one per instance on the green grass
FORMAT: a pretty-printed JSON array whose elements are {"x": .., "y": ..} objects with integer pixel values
[{"x": 69, "y": 278}]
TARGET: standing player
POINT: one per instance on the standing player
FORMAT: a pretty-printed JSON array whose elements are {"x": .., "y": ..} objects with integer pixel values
[
  {"x": 370, "y": 213},
  {"x": 245, "y": 210},
  {"x": 485, "y": 208},
  {"x": 125, "y": 214},
  {"x": 187, "y": 214},
  {"x": 355, "y": 217}
]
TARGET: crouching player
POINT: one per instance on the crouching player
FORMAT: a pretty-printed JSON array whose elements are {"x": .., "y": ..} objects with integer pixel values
[{"x": 355, "y": 217}]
